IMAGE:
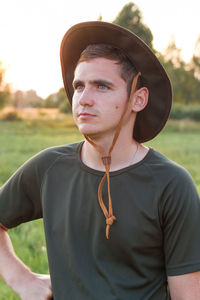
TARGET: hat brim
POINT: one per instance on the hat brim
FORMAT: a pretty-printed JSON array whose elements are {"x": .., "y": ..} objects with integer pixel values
[{"x": 152, "y": 119}]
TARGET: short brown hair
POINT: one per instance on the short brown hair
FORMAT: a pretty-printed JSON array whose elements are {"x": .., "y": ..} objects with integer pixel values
[{"x": 128, "y": 70}]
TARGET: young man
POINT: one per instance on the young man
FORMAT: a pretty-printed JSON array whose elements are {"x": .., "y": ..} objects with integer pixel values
[{"x": 121, "y": 220}]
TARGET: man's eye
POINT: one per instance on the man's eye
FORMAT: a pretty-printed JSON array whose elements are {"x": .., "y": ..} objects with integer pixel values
[
  {"x": 78, "y": 87},
  {"x": 102, "y": 87}
]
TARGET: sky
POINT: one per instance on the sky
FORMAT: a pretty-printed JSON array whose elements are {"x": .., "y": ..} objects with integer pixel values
[{"x": 31, "y": 32}]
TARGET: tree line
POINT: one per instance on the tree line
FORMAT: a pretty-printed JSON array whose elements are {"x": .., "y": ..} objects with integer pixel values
[{"x": 185, "y": 77}]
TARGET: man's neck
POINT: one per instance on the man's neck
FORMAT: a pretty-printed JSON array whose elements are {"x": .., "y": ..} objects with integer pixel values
[{"x": 124, "y": 154}]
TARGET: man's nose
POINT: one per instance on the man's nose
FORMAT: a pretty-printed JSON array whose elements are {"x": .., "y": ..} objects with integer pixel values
[{"x": 86, "y": 97}]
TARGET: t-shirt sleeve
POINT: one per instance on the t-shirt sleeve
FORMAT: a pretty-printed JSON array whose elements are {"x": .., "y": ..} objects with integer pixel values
[
  {"x": 20, "y": 199},
  {"x": 181, "y": 225}
]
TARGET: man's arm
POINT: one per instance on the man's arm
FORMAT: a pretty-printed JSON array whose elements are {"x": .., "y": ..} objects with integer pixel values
[
  {"x": 184, "y": 287},
  {"x": 28, "y": 285}
]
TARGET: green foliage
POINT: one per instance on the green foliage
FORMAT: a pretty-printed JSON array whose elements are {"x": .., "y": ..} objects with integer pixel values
[
  {"x": 28, "y": 98},
  {"x": 184, "y": 82},
  {"x": 50, "y": 101},
  {"x": 185, "y": 85},
  {"x": 178, "y": 112},
  {"x": 4, "y": 97},
  {"x": 65, "y": 107},
  {"x": 195, "y": 63},
  {"x": 130, "y": 17},
  {"x": 58, "y": 100},
  {"x": 11, "y": 116},
  {"x": 185, "y": 77},
  {"x": 181, "y": 111},
  {"x": 4, "y": 89},
  {"x": 61, "y": 96}
]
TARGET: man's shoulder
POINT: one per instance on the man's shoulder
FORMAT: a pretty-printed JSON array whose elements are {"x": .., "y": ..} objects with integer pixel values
[
  {"x": 56, "y": 152},
  {"x": 45, "y": 159},
  {"x": 164, "y": 168},
  {"x": 173, "y": 183}
]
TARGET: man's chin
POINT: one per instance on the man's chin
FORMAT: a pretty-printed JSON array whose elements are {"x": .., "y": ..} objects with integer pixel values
[
  {"x": 95, "y": 134},
  {"x": 87, "y": 131}
]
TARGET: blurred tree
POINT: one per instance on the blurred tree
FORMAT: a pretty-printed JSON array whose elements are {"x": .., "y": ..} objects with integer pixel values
[
  {"x": 18, "y": 100},
  {"x": 51, "y": 101},
  {"x": 64, "y": 105},
  {"x": 32, "y": 99},
  {"x": 185, "y": 84},
  {"x": 58, "y": 100},
  {"x": 26, "y": 99},
  {"x": 100, "y": 18},
  {"x": 173, "y": 54},
  {"x": 185, "y": 77},
  {"x": 4, "y": 88},
  {"x": 130, "y": 17},
  {"x": 196, "y": 59}
]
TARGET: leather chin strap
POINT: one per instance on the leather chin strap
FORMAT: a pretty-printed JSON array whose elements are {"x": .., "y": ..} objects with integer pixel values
[
  {"x": 106, "y": 159},
  {"x": 3, "y": 227}
]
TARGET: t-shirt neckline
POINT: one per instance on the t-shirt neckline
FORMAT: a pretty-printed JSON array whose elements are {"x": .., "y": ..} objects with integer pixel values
[{"x": 112, "y": 173}]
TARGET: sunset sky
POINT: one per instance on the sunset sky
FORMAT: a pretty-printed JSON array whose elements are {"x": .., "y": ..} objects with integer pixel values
[{"x": 31, "y": 32}]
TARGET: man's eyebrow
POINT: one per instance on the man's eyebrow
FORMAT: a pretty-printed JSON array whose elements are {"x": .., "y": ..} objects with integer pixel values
[
  {"x": 95, "y": 81},
  {"x": 77, "y": 82},
  {"x": 102, "y": 82}
]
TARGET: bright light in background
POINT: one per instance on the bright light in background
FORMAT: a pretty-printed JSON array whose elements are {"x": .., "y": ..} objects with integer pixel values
[{"x": 31, "y": 33}]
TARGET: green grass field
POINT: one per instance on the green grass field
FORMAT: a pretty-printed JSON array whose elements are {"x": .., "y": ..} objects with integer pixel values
[{"x": 20, "y": 140}]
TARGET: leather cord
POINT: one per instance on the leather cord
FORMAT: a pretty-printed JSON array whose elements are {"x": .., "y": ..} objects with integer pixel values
[
  {"x": 106, "y": 159},
  {"x": 3, "y": 227}
]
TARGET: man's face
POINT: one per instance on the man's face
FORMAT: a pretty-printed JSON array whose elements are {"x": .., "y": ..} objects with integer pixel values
[{"x": 99, "y": 99}]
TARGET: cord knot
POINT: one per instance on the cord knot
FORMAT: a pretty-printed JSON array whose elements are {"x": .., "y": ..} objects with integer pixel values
[
  {"x": 110, "y": 220},
  {"x": 106, "y": 160}
]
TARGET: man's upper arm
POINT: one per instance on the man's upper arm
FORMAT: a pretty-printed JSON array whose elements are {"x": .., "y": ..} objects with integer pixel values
[
  {"x": 20, "y": 199},
  {"x": 180, "y": 224},
  {"x": 185, "y": 287}
]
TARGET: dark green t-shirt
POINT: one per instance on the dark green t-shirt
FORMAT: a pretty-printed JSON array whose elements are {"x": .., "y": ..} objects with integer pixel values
[{"x": 156, "y": 234}]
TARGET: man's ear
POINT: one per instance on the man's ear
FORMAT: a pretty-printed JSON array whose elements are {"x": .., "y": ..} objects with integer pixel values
[{"x": 140, "y": 99}]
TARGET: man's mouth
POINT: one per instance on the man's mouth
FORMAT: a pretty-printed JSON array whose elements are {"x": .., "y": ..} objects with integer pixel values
[{"x": 85, "y": 114}]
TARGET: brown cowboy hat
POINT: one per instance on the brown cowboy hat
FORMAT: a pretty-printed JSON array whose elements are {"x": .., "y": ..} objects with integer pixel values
[{"x": 151, "y": 120}]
